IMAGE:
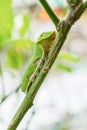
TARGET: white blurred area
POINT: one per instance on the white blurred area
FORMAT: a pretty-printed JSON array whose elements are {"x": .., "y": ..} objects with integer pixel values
[{"x": 62, "y": 98}]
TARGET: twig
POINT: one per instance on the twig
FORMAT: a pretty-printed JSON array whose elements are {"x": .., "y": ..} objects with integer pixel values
[
  {"x": 50, "y": 12},
  {"x": 28, "y": 100}
]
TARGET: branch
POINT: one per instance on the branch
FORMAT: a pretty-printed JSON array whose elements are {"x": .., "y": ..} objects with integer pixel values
[
  {"x": 76, "y": 12},
  {"x": 28, "y": 100},
  {"x": 50, "y": 12}
]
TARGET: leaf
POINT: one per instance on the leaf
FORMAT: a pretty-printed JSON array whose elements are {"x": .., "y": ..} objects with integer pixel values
[
  {"x": 22, "y": 43},
  {"x": 25, "y": 27},
  {"x": 64, "y": 67},
  {"x": 6, "y": 20},
  {"x": 69, "y": 57},
  {"x": 14, "y": 58},
  {"x": 18, "y": 52}
]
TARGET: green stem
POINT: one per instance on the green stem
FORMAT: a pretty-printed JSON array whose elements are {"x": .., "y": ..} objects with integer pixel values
[
  {"x": 50, "y": 12},
  {"x": 28, "y": 100}
]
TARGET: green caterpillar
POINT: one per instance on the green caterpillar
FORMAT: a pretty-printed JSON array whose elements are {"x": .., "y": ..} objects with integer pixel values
[{"x": 41, "y": 50}]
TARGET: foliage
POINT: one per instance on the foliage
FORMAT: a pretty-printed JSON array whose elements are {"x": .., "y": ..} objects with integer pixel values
[
  {"x": 26, "y": 24},
  {"x": 18, "y": 52},
  {"x": 65, "y": 60},
  {"x": 6, "y": 21}
]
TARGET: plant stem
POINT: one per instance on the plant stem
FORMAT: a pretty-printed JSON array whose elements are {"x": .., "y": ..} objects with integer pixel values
[
  {"x": 50, "y": 12},
  {"x": 28, "y": 100}
]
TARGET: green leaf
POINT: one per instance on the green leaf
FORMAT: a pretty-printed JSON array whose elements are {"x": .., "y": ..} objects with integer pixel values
[
  {"x": 6, "y": 20},
  {"x": 69, "y": 57},
  {"x": 18, "y": 52},
  {"x": 22, "y": 43},
  {"x": 25, "y": 27},
  {"x": 64, "y": 67},
  {"x": 26, "y": 46},
  {"x": 14, "y": 59}
]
